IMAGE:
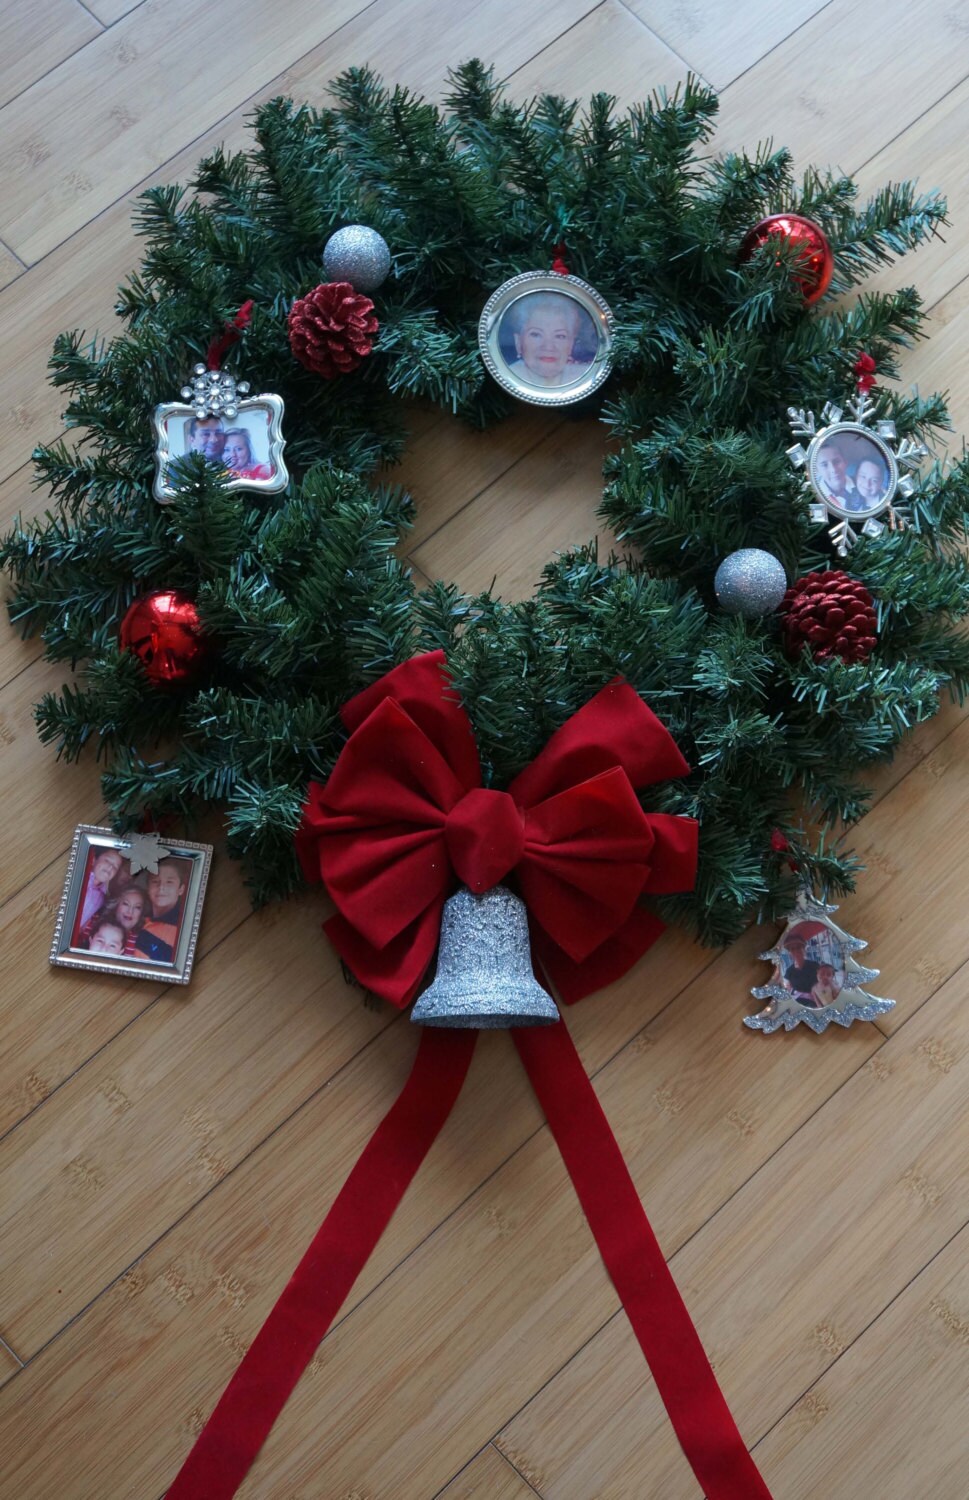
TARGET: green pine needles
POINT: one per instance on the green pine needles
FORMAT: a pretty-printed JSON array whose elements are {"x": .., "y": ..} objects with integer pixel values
[{"x": 303, "y": 594}]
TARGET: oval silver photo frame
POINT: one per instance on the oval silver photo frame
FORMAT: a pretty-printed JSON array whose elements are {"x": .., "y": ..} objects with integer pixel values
[{"x": 546, "y": 338}]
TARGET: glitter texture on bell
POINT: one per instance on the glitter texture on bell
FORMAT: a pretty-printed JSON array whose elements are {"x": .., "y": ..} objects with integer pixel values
[{"x": 484, "y": 973}]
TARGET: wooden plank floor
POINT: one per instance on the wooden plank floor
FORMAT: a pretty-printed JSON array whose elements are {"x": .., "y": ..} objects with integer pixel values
[{"x": 165, "y": 1158}]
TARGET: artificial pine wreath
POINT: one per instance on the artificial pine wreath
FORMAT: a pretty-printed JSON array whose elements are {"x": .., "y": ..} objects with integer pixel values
[{"x": 302, "y": 593}]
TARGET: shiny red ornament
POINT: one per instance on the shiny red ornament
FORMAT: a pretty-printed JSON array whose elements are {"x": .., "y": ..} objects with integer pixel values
[
  {"x": 164, "y": 631},
  {"x": 831, "y": 614},
  {"x": 332, "y": 329},
  {"x": 815, "y": 262}
]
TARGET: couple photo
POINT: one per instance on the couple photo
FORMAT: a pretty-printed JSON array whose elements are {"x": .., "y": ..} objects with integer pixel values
[
  {"x": 130, "y": 916},
  {"x": 232, "y": 447}
]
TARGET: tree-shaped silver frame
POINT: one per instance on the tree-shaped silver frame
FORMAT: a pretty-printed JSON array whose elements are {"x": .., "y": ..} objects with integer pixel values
[{"x": 851, "y": 1002}]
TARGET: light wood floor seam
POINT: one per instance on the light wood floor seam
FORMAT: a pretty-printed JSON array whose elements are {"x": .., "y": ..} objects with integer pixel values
[
  {"x": 137, "y": 186},
  {"x": 651, "y": 31}
]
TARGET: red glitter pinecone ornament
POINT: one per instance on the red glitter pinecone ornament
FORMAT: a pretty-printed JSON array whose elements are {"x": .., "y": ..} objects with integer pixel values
[
  {"x": 332, "y": 328},
  {"x": 832, "y": 614}
]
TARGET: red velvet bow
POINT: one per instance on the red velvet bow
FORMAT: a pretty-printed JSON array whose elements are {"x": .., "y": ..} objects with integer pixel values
[{"x": 404, "y": 816}]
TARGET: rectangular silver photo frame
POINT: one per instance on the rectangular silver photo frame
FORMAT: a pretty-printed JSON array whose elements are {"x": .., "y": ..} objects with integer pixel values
[
  {"x": 157, "y": 940},
  {"x": 262, "y": 414}
]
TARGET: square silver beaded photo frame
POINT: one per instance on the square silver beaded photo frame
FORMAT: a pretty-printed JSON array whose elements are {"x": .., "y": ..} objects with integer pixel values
[{"x": 131, "y": 905}]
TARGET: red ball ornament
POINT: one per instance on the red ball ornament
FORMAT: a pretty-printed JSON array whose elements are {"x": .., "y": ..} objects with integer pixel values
[
  {"x": 815, "y": 263},
  {"x": 164, "y": 631},
  {"x": 332, "y": 329},
  {"x": 831, "y": 614}
]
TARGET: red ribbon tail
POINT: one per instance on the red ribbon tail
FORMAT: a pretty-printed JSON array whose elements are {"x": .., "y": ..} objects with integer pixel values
[
  {"x": 684, "y": 1378},
  {"x": 287, "y": 1341},
  {"x": 231, "y": 334}
]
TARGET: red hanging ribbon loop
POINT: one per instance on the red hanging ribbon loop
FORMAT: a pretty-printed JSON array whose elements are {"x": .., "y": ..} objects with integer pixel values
[
  {"x": 780, "y": 844},
  {"x": 559, "y": 265},
  {"x": 231, "y": 1439},
  {"x": 231, "y": 334},
  {"x": 864, "y": 368}
]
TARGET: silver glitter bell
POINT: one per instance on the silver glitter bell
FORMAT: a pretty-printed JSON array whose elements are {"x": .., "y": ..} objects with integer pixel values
[{"x": 484, "y": 973}]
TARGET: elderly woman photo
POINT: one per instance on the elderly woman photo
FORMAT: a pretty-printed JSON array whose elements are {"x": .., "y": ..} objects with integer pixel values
[{"x": 554, "y": 339}]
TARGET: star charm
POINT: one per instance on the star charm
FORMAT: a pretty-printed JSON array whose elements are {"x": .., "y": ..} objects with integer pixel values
[{"x": 144, "y": 852}]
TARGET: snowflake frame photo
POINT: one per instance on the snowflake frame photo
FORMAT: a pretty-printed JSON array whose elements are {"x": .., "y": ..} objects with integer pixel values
[{"x": 852, "y": 472}]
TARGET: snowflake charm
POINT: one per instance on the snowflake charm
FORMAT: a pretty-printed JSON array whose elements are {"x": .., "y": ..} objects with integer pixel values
[
  {"x": 214, "y": 393},
  {"x": 145, "y": 852},
  {"x": 852, "y": 472}
]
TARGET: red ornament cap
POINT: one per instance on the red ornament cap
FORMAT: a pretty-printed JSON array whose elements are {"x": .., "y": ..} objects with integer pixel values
[
  {"x": 832, "y": 614},
  {"x": 815, "y": 262},
  {"x": 332, "y": 329},
  {"x": 164, "y": 631}
]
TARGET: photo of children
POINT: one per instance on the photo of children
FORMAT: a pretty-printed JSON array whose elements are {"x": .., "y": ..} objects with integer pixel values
[
  {"x": 241, "y": 445},
  {"x": 137, "y": 917},
  {"x": 812, "y": 965},
  {"x": 131, "y": 905},
  {"x": 547, "y": 339},
  {"x": 851, "y": 472}
]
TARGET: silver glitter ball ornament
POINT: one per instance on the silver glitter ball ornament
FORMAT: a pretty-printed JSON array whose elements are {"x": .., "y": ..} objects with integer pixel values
[
  {"x": 750, "y": 582},
  {"x": 359, "y": 255},
  {"x": 484, "y": 973}
]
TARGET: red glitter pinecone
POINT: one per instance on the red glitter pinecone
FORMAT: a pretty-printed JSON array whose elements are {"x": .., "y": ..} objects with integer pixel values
[
  {"x": 332, "y": 328},
  {"x": 832, "y": 614}
]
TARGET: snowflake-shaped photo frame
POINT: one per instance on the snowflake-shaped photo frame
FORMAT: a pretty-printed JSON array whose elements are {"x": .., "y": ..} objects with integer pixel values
[{"x": 852, "y": 470}]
